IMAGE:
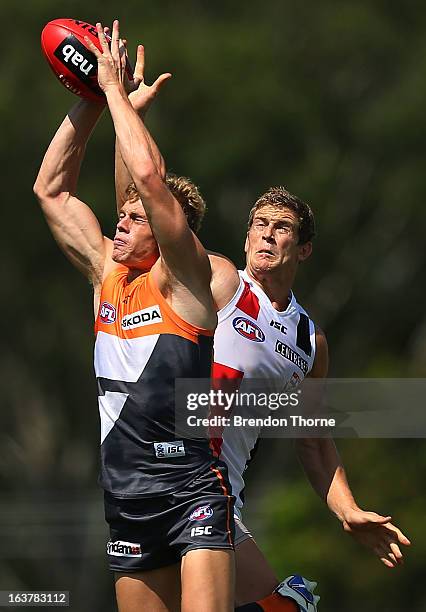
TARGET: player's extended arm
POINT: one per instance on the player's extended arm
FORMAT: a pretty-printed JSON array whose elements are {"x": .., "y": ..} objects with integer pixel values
[
  {"x": 72, "y": 223},
  {"x": 140, "y": 98},
  {"x": 327, "y": 476},
  {"x": 182, "y": 255}
]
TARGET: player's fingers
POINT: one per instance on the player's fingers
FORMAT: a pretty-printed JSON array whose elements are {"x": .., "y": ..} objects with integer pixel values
[
  {"x": 115, "y": 40},
  {"x": 93, "y": 48},
  {"x": 123, "y": 53},
  {"x": 391, "y": 553},
  {"x": 158, "y": 83},
  {"x": 102, "y": 38},
  {"x": 140, "y": 65},
  {"x": 397, "y": 535},
  {"x": 396, "y": 551},
  {"x": 384, "y": 557},
  {"x": 380, "y": 520}
]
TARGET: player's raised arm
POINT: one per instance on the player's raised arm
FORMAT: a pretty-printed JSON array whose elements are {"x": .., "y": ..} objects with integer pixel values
[
  {"x": 141, "y": 96},
  {"x": 71, "y": 221},
  {"x": 184, "y": 262}
]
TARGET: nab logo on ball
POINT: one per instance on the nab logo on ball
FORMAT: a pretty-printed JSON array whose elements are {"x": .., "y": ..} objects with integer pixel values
[
  {"x": 70, "y": 54},
  {"x": 248, "y": 329},
  {"x": 201, "y": 513},
  {"x": 107, "y": 313},
  {"x": 78, "y": 59}
]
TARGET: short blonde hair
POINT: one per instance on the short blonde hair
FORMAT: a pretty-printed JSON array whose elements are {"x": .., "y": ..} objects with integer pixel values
[{"x": 186, "y": 193}]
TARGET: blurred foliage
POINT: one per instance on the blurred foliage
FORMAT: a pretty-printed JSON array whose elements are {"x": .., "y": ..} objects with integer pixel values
[{"x": 325, "y": 97}]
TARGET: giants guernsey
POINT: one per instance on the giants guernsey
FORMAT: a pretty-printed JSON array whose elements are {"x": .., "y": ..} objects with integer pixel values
[
  {"x": 253, "y": 340},
  {"x": 141, "y": 347}
]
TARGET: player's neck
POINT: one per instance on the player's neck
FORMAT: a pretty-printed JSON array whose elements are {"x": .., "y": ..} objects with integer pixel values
[
  {"x": 276, "y": 287},
  {"x": 135, "y": 272}
]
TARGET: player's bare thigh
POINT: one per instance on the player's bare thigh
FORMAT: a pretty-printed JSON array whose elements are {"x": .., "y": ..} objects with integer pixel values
[
  {"x": 255, "y": 579},
  {"x": 208, "y": 578},
  {"x": 156, "y": 590}
]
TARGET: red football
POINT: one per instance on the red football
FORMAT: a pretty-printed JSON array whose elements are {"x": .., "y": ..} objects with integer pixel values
[{"x": 63, "y": 45}]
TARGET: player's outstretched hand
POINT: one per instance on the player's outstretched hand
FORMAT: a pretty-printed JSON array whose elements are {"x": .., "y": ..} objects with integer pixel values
[
  {"x": 377, "y": 533},
  {"x": 111, "y": 61},
  {"x": 143, "y": 94}
]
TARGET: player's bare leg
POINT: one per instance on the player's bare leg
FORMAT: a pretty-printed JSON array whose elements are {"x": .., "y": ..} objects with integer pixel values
[
  {"x": 257, "y": 587},
  {"x": 208, "y": 581},
  {"x": 157, "y": 590},
  {"x": 255, "y": 579}
]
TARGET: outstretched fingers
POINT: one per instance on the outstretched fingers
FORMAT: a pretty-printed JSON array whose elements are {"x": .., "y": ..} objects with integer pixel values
[
  {"x": 115, "y": 41},
  {"x": 158, "y": 83},
  {"x": 102, "y": 38},
  {"x": 139, "y": 71},
  {"x": 93, "y": 48}
]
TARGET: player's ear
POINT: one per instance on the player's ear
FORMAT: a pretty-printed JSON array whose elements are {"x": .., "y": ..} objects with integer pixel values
[
  {"x": 305, "y": 251},
  {"x": 246, "y": 244}
]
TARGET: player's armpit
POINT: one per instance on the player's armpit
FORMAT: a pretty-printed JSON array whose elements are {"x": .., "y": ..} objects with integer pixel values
[
  {"x": 225, "y": 279},
  {"x": 77, "y": 232}
]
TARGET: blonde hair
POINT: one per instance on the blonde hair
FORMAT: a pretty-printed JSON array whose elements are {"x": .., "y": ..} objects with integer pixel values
[{"x": 186, "y": 193}]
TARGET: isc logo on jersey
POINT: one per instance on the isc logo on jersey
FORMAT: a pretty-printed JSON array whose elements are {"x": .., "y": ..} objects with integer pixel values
[
  {"x": 124, "y": 549},
  {"x": 164, "y": 450},
  {"x": 147, "y": 316},
  {"x": 107, "y": 313},
  {"x": 248, "y": 329}
]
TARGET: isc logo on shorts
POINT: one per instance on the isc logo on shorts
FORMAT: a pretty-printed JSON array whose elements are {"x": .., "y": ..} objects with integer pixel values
[
  {"x": 201, "y": 530},
  {"x": 123, "y": 549},
  {"x": 164, "y": 450},
  {"x": 201, "y": 513},
  {"x": 147, "y": 316}
]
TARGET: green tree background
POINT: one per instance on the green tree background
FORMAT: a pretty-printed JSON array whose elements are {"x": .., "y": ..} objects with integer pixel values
[{"x": 327, "y": 98}]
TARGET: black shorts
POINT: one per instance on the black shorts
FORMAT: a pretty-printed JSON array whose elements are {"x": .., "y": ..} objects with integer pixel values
[{"x": 149, "y": 533}]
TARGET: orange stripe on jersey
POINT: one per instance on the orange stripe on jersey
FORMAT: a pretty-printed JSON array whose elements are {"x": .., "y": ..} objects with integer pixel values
[
  {"x": 137, "y": 309},
  {"x": 228, "y": 509}
]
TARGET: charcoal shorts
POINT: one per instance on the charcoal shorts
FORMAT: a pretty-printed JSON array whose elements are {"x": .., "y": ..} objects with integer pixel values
[{"x": 148, "y": 533}]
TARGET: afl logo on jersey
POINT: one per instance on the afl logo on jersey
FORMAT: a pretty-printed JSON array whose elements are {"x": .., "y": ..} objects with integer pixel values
[
  {"x": 201, "y": 513},
  {"x": 107, "y": 313},
  {"x": 248, "y": 329}
]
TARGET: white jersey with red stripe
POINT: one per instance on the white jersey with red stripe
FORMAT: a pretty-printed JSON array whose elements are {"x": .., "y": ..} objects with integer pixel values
[{"x": 254, "y": 340}]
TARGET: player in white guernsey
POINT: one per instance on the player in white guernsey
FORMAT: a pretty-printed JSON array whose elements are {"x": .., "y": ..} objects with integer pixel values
[
  {"x": 255, "y": 340},
  {"x": 264, "y": 333}
]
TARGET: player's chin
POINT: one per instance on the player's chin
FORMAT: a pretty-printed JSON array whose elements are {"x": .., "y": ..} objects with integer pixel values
[
  {"x": 119, "y": 256},
  {"x": 263, "y": 264}
]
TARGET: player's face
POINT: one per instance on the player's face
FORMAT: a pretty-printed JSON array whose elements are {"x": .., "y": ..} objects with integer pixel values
[
  {"x": 134, "y": 243},
  {"x": 272, "y": 240}
]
